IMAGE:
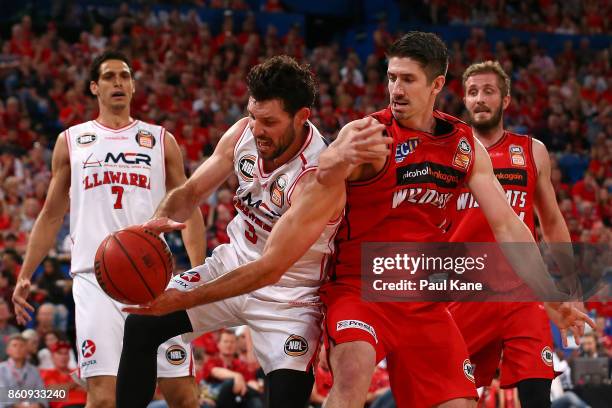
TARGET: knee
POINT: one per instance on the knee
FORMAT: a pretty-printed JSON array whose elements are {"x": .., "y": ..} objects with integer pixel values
[
  {"x": 137, "y": 331},
  {"x": 100, "y": 400},
  {"x": 183, "y": 400},
  {"x": 353, "y": 373}
]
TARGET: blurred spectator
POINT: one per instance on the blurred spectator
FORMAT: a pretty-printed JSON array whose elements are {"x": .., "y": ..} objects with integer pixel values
[
  {"x": 6, "y": 329},
  {"x": 232, "y": 383},
  {"x": 16, "y": 373},
  {"x": 11, "y": 262},
  {"x": 58, "y": 378},
  {"x": 52, "y": 285},
  {"x": 32, "y": 345},
  {"x": 7, "y": 285},
  {"x": 45, "y": 355},
  {"x": 562, "y": 392},
  {"x": 589, "y": 346}
]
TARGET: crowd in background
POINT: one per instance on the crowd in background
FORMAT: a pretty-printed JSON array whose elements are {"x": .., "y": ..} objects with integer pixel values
[{"x": 191, "y": 80}]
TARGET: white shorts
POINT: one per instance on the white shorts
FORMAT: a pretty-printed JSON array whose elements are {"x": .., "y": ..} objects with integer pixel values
[
  {"x": 285, "y": 333},
  {"x": 99, "y": 327}
]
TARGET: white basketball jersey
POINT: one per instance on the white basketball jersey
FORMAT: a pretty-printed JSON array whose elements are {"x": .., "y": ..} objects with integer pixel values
[
  {"x": 262, "y": 198},
  {"x": 118, "y": 179}
]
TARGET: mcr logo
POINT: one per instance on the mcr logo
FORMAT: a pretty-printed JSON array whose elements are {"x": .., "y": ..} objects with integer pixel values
[
  {"x": 190, "y": 276},
  {"x": 88, "y": 348}
]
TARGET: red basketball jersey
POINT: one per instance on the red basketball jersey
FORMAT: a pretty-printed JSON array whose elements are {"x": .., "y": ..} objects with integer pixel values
[
  {"x": 516, "y": 171},
  {"x": 412, "y": 198}
]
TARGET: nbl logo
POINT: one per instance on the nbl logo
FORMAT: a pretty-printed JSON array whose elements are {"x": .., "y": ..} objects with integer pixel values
[
  {"x": 176, "y": 355},
  {"x": 88, "y": 348},
  {"x": 468, "y": 370},
  {"x": 296, "y": 346},
  {"x": 191, "y": 277}
]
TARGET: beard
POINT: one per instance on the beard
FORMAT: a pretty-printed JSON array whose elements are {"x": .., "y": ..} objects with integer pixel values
[
  {"x": 489, "y": 124},
  {"x": 277, "y": 149}
]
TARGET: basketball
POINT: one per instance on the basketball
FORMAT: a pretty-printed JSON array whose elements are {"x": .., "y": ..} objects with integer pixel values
[{"x": 133, "y": 265}]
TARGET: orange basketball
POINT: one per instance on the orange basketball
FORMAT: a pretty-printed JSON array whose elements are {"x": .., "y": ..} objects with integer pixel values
[{"x": 133, "y": 265}]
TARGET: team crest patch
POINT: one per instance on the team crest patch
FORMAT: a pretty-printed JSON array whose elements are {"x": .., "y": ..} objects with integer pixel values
[
  {"x": 144, "y": 138},
  {"x": 547, "y": 356},
  {"x": 463, "y": 154},
  {"x": 176, "y": 355},
  {"x": 468, "y": 370},
  {"x": 517, "y": 157},
  {"x": 86, "y": 139},
  {"x": 277, "y": 190},
  {"x": 404, "y": 149},
  {"x": 356, "y": 324},
  {"x": 296, "y": 346},
  {"x": 246, "y": 167}
]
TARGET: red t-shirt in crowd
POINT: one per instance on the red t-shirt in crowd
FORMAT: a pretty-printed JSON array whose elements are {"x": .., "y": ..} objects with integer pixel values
[{"x": 55, "y": 377}]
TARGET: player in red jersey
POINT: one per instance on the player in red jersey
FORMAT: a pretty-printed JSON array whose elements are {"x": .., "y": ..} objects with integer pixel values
[
  {"x": 520, "y": 331},
  {"x": 406, "y": 197}
]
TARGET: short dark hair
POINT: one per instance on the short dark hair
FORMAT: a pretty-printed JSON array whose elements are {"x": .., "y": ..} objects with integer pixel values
[
  {"x": 94, "y": 71},
  {"x": 281, "y": 77},
  {"x": 426, "y": 48}
]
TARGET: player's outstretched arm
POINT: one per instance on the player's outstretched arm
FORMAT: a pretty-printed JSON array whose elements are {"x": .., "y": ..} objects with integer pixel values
[
  {"x": 46, "y": 227},
  {"x": 313, "y": 206},
  {"x": 194, "y": 235},
  {"x": 359, "y": 143},
  {"x": 179, "y": 204},
  {"x": 526, "y": 260}
]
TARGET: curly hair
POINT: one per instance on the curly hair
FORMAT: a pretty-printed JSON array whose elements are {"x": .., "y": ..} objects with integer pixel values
[{"x": 282, "y": 78}]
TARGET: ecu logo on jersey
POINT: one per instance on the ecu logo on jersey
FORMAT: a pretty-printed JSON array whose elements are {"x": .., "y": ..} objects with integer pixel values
[
  {"x": 517, "y": 157},
  {"x": 404, "y": 149},
  {"x": 144, "y": 138}
]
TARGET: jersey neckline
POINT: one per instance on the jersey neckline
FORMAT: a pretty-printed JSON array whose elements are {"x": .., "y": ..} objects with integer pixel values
[{"x": 115, "y": 130}]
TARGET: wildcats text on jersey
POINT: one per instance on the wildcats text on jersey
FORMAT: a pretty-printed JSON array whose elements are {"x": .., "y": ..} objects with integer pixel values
[{"x": 419, "y": 195}]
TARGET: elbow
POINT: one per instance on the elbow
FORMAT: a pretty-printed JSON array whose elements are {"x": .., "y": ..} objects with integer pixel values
[{"x": 271, "y": 271}]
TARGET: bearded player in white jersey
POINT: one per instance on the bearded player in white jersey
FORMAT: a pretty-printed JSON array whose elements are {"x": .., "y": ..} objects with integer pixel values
[
  {"x": 274, "y": 153},
  {"x": 111, "y": 172}
]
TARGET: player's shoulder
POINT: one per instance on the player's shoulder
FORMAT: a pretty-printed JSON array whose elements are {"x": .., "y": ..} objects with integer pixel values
[
  {"x": 453, "y": 121},
  {"x": 79, "y": 127},
  {"x": 152, "y": 127}
]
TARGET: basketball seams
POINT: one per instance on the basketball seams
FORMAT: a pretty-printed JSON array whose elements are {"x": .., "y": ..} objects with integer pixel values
[
  {"x": 143, "y": 280},
  {"x": 166, "y": 262},
  {"x": 101, "y": 281}
]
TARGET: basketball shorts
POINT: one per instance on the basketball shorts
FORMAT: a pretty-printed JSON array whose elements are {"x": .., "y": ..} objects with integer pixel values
[
  {"x": 99, "y": 327},
  {"x": 426, "y": 357},
  {"x": 285, "y": 322},
  {"x": 517, "y": 334}
]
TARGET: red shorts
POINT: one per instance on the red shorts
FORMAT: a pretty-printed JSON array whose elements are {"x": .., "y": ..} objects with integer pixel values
[
  {"x": 520, "y": 332},
  {"x": 426, "y": 357}
]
